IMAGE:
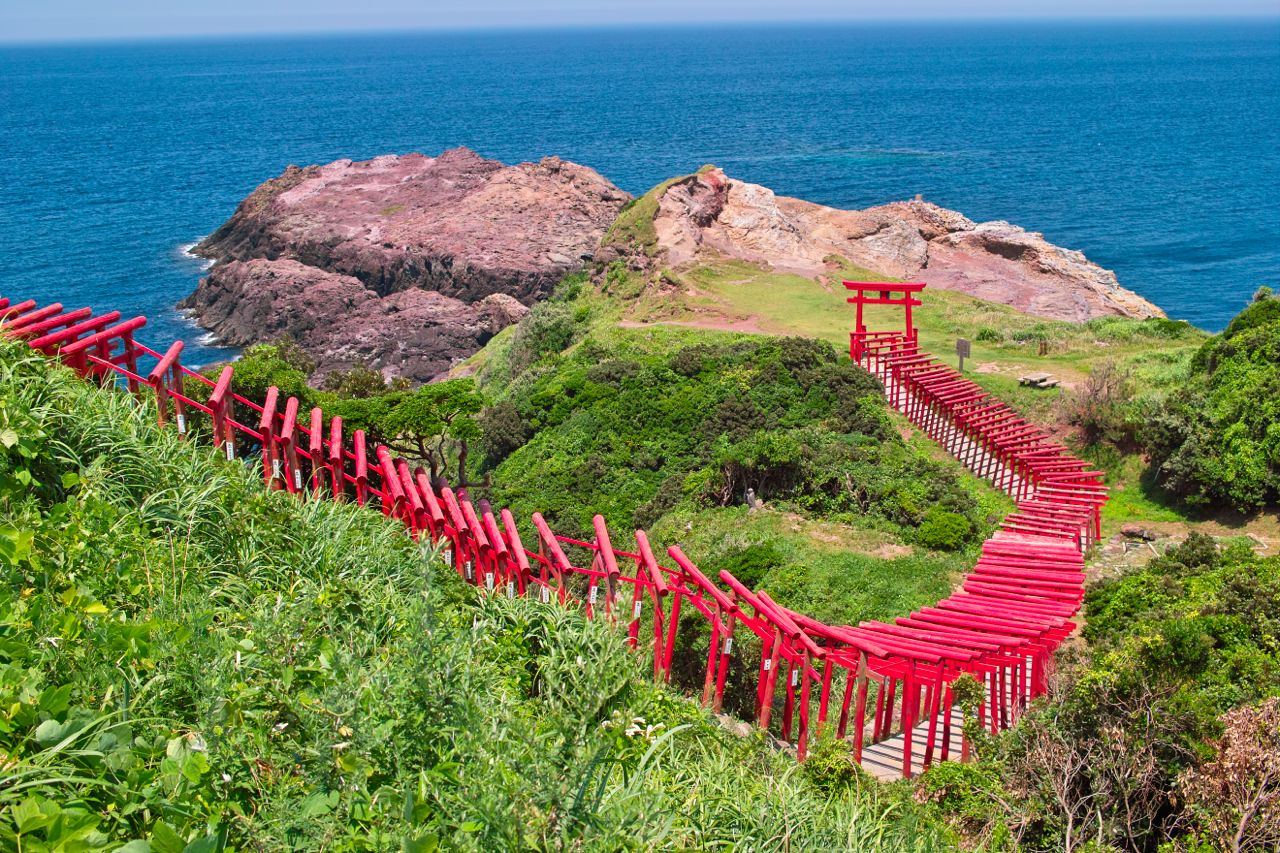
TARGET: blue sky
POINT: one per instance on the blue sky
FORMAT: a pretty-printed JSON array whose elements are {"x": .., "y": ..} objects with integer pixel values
[{"x": 54, "y": 20}]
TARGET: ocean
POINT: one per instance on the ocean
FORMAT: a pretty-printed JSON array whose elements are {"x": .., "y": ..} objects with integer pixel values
[{"x": 1153, "y": 148}]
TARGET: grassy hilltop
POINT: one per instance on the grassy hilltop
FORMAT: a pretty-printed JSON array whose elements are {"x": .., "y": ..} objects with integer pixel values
[{"x": 1116, "y": 373}]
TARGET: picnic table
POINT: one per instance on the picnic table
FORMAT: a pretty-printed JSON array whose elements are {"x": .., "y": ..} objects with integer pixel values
[{"x": 1039, "y": 380}]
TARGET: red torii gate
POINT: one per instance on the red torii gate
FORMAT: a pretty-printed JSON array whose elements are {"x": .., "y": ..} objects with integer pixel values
[{"x": 860, "y": 337}]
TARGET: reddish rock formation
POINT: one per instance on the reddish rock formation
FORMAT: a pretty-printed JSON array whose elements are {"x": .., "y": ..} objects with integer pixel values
[
  {"x": 709, "y": 215},
  {"x": 431, "y": 237},
  {"x": 414, "y": 333},
  {"x": 409, "y": 263}
]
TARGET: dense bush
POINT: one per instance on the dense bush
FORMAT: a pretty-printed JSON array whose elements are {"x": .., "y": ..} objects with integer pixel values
[
  {"x": 751, "y": 564},
  {"x": 548, "y": 329},
  {"x": 943, "y": 531},
  {"x": 502, "y": 431},
  {"x": 1216, "y": 439},
  {"x": 192, "y": 663},
  {"x": 1173, "y": 647},
  {"x": 786, "y": 418}
]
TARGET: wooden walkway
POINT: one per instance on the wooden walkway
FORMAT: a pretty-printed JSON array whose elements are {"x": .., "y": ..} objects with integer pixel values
[{"x": 883, "y": 760}]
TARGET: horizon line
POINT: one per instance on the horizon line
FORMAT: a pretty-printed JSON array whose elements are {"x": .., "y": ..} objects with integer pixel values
[{"x": 482, "y": 29}]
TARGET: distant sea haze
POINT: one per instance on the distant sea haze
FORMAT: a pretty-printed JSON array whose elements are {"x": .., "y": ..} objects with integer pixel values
[{"x": 1153, "y": 148}]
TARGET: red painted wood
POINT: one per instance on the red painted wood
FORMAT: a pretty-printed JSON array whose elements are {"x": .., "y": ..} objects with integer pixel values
[{"x": 1002, "y": 623}]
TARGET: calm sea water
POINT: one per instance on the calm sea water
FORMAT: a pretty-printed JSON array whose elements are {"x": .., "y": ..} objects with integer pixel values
[{"x": 1153, "y": 148}]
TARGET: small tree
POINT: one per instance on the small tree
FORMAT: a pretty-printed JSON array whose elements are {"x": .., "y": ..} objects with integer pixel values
[
  {"x": 1103, "y": 408},
  {"x": 434, "y": 424}
]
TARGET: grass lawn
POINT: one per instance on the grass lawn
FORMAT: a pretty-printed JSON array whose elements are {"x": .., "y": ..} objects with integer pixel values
[
  {"x": 734, "y": 295},
  {"x": 833, "y": 572}
]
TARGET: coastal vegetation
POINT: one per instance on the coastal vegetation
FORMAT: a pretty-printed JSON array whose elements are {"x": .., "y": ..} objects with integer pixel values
[
  {"x": 191, "y": 663},
  {"x": 1216, "y": 439},
  {"x": 1138, "y": 744}
]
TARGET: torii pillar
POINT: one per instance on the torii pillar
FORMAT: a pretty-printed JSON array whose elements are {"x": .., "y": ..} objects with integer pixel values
[{"x": 882, "y": 293}]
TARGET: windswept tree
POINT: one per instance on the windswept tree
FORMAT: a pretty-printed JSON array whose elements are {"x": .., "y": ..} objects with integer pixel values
[{"x": 434, "y": 424}]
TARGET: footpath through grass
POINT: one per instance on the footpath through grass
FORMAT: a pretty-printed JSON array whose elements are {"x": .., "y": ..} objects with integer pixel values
[{"x": 189, "y": 663}]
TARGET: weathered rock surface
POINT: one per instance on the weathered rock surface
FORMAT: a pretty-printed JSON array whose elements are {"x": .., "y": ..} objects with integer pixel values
[
  {"x": 404, "y": 262},
  {"x": 457, "y": 223},
  {"x": 410, "y": 263},
  {"x": 710, "y": 214},
  {"x": 412, "y": 333}
]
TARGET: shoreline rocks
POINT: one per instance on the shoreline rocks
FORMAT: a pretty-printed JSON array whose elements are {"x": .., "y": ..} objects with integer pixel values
[
  {"x": 406, "y": 263},
  {"x": 414, "y": 333}
]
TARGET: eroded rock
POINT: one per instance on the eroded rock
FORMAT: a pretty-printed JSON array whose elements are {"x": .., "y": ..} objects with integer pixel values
[
  {"x": 400, "y": 240},
  {"x": 712, "y": 215},
  {"x": 414, "y": 333}
]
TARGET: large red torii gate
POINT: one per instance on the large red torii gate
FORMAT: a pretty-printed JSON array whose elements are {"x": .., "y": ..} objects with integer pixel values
[{"x": 885, "y": 290}]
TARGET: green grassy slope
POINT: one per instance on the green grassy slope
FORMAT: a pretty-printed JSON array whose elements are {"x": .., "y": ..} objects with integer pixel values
[{"x": 188, "y": 662}]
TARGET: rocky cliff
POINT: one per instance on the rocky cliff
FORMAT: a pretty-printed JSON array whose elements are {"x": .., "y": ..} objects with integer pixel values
[
  {"x": 710, "y": 215},
  {"x": 403, "y": 262},
  {"x": 409, "y": 263},
  {"x": 413, "y": 333}
]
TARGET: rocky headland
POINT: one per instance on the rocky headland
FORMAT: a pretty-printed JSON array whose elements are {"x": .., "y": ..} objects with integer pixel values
[
  {"x": 710, "y": 215},
  {"x": 409, "y": 263},
  {"x": 405, "y": 263}
]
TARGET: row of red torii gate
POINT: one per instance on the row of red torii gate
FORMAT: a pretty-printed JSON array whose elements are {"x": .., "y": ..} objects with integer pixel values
[{"x": 885, "y": 687}]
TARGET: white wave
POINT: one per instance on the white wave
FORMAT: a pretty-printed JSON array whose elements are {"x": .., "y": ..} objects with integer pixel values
[{"x": 185, "y": 250}]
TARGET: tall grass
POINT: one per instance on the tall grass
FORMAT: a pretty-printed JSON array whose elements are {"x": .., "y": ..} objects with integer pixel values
[{"x": 193, "y": 662}]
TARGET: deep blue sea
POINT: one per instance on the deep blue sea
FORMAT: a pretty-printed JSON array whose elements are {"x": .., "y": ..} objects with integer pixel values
[{"x": 1154, "y": 148}]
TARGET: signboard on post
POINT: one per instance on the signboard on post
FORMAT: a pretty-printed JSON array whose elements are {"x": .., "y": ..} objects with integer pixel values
[{"x": 962, "y": 351}]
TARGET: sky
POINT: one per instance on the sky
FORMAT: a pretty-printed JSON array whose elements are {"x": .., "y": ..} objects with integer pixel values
[{"x": 77, "y": 20}]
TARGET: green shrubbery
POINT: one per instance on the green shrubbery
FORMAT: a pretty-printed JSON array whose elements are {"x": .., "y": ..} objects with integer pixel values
[
  {"x": 1216, "y": 439},
  {"x": 944, "y": 531},
  {"x": 1125, "y": 753},
  {"x": 192, "y": 663},
  {"x": 787, "y": 419}
]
